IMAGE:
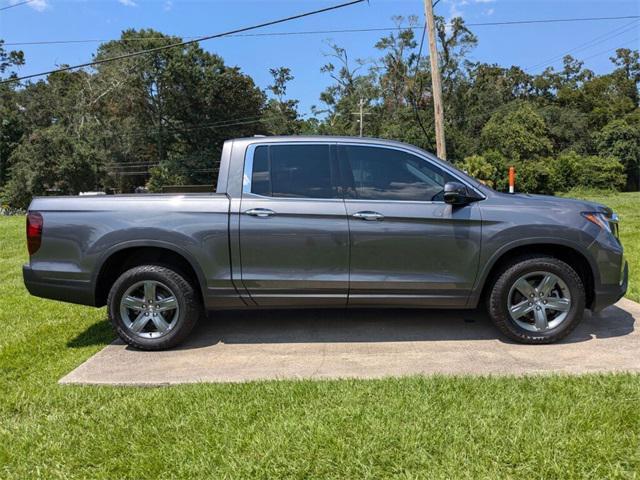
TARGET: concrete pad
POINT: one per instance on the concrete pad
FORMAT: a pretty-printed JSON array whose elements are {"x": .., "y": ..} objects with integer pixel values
[{"x": 318, "y": 344}]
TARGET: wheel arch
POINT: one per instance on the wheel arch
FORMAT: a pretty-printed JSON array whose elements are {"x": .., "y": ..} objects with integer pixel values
[
  {"x": 569, "y": 254},
  {"x": 132, "y": 254}
]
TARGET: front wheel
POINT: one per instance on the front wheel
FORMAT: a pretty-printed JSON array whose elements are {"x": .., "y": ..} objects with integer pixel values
[
  {"x": 153, "y": 307},
  {"x": 537, "y": 299}
]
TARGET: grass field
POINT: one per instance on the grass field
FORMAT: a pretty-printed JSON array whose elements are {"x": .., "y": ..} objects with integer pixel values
[{"x": 435, "y": 427}]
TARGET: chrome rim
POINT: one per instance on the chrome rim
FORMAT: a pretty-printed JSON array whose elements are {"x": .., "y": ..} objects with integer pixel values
[
  {"x": 539, "y": 301},
  {"x": 149, "y": 309}
]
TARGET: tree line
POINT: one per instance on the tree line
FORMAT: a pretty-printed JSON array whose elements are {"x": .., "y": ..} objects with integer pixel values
[{"x": 159, "y": 120}]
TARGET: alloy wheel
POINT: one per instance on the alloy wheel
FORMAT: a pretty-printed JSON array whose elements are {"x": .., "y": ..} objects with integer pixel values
[
  {"x": 149, "y": 309},
  {"x": 539, "y": 301}
]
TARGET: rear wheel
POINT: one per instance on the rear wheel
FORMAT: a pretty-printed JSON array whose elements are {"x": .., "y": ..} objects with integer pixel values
[
  {"x": 537, "y": 300},
  {"x": 153, "y": 307}
]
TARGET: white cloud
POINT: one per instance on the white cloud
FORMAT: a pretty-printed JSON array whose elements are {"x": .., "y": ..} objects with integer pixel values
[
  {"x": 38, "y": 5},
  {"x": 484, "y": 1},
  {"x": 128, "y": 3},
  {"x": 454, "y": 10},
  {"x": 168, "y": 5},
  {"x": 489, "y": 11}
]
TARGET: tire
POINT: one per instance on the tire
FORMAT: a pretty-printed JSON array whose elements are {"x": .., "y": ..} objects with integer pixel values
[
  {"x": 152, "y": 307},
  {"x": 522, "y": 318}
]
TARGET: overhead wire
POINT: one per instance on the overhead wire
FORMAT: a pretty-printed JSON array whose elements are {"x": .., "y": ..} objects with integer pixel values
[
  {"x": 13, "y": 5},
  {"x": 616, "y": 32},
  {"x": 316, "y": 32},
  {"x": 415, "y": 76},
  {"x": 183, "y": 43}
]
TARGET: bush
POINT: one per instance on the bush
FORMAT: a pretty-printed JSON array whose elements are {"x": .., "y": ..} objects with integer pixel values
[
  {"x": 49, "y": 160},
  {"x": 479, "y": 167},
  {"x": 6, "y": 210},
  {"x": 161, "y": 176},
  {"x": 535, "y": 176},
  {"x": 601, "y": 173},
  {"x": 499, "y": 162},
  {"x": 574, "y": 171},
  {"x": 620, "y": 139},
  {"x": 566, "y": 167}
]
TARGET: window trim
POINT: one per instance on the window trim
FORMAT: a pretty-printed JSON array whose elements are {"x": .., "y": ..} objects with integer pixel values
[
  {"x": 410, "y": 152},
  {"x": 248, "y": 170},
  {"x": 247, "y": 174}
]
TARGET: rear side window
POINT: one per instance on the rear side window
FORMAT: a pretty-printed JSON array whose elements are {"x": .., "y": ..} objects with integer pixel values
[
  {"x": 302, "y": 171},
  {"x": 388, "y": 174}
]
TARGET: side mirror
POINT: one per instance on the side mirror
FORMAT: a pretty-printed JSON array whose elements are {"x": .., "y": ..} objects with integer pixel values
[{"x": 456, "y": 193}]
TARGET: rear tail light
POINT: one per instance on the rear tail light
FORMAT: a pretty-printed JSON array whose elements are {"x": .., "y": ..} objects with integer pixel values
[{"x": 34, "y": 231}]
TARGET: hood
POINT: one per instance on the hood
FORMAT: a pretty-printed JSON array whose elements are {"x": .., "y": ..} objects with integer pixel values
[{"x": 551, "y": 202}]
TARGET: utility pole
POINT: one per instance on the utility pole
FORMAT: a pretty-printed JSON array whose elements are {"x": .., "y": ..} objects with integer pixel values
[
  {"x": 441, "y": 147},
  {"x": 361, "y": 113}
]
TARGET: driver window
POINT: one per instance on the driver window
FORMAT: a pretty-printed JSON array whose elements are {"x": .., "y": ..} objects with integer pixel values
[{"x": 389, "y": 174}]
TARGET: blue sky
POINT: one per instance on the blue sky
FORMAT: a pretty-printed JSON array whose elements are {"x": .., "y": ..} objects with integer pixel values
[{"x": 525, "y": 45}]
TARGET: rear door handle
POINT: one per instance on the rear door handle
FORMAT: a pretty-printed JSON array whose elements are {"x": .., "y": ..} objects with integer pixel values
[
  {"x": 369, "y": 216},
  {"x": 260, "y": 212}
]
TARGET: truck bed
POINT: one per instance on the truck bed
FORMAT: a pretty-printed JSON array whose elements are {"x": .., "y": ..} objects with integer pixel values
[{"x": 81, "y": 233}]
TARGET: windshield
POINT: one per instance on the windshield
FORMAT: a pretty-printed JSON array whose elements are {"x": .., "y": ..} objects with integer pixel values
[{"x": 465, "y": 176}]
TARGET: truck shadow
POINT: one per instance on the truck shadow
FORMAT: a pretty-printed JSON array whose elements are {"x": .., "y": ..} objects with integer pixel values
[
  {"x": 353, "y": 326},
  {"x": 361, "y": 325}
]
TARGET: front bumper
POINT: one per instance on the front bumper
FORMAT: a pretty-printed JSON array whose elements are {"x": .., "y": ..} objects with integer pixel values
[
  {"x": 65, "y": 290},
  {"x": 609, "y": 294}
]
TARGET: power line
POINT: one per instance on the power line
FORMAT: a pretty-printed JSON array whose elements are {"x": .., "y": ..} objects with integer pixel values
[
  {"x": 414, "y": 102},
  {"x": 318, "y": 32},
  {"x": 220, "y": 124},
  {"x": 616, "y": 32},
  {"x": 178, "y": 130},
  {"x": 15, "y": 5},
  {"x": 610, "y": 50},
  {"x": 188, "y": 42},
  {"x": 552, "y": 20},
  {"x": 184, "y": 170}
]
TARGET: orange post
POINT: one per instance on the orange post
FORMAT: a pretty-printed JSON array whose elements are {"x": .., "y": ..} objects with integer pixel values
[{"x": 512, "y": 180}]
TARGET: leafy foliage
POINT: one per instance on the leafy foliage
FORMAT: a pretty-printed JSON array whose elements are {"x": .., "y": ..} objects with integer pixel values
[
  {"x": 519, "y": 133},
  {"x": 161, "y": 119},
  {"x": 479, "y": 167},
  {"x": 620, "y": 139}
]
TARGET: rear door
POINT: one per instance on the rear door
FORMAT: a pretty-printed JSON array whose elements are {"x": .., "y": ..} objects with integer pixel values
[
  {"x": 407, "y": 246},
  {"x": 294, "y": 235}
]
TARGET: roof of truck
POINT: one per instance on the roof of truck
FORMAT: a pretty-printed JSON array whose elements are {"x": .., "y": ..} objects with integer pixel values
[{"x": 324, "y": 138}]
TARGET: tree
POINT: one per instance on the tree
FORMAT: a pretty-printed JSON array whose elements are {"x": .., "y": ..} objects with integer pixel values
[
  {"x": 518, "y": 133},
  {"x": 177, "y": 106},
  {"x": 628, "y": 62},
  {"x": 161, "y": 118},
  {"x": 11, "y": 125},
  {"x": 281, "y": 115},
  {"x": 620, "y": 139},
  {"x": 50, "y": 161}
]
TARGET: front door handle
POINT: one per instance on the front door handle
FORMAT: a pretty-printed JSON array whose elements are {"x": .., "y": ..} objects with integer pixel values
[
  {"x": 370, "y": 216},
  {"x": 260, "y": 212}
]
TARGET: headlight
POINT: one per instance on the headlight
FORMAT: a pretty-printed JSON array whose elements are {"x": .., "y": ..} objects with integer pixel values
[{"x": 604, "y": 221}]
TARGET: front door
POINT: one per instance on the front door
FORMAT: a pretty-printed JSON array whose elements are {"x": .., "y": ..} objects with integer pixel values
[
  {"x": 407, "y": 246},
  {"x": 294, "y": 234}
]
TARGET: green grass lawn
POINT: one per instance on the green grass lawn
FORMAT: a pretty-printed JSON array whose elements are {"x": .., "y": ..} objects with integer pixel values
[{"x": 435, "y": 427}]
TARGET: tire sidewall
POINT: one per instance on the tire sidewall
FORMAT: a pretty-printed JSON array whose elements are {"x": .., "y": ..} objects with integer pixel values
[
  {"x": 177, "y": 287},
  {"x": 499, "y": 299}
]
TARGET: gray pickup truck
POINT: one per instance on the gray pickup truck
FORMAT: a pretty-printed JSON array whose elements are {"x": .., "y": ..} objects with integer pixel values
[{"x": 327, "y": 222}]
